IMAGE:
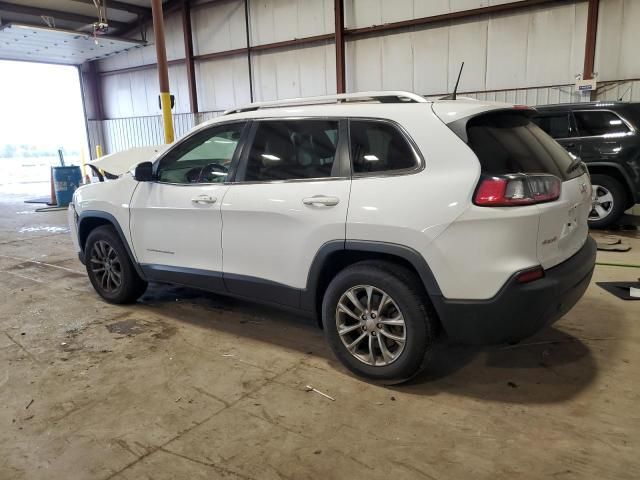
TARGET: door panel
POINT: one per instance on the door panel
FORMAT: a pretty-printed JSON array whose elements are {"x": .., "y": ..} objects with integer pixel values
[
  {"x": 273, "y": 232},
  {"x": 178, "y": 225},
  {"x": 295, "y": 200},
  {"x": 176, "y": 221}
]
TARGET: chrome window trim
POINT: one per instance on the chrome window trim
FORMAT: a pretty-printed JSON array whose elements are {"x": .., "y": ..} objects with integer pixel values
[{"x": 420, "y": 160}]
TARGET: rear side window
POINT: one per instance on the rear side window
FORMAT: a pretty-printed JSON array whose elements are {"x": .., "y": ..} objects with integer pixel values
[
  {"x": 509, "y": 142},
  {"x": 379, "y": 147},
  {"x": 290, "y": 150},
  {"x": 593, "y": 123},
  {"x": 556, "y": 125}
]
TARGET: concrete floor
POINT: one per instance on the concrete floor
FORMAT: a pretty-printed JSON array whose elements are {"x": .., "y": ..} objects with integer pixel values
[{"x": 192, "y": 385}]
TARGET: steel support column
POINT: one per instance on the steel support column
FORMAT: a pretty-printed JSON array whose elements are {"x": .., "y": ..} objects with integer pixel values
[
  {"x": 188, "y": 53},
  {"x": 339, "y": 36},
  {"x": 163, "y": 69},
  {"x": 590, "y": 44}
]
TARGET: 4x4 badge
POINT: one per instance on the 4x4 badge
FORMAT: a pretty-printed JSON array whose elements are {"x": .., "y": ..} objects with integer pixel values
[{"x": 583, "y": 188}]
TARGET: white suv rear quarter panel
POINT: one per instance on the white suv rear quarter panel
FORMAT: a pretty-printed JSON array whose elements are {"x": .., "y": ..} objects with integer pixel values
[{"x": 472, "y": 251}]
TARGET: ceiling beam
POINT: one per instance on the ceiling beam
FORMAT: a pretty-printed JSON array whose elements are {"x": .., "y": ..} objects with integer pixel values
[
  {"x": 121, "y": 6},
  {"x": 56, "y": 14}
]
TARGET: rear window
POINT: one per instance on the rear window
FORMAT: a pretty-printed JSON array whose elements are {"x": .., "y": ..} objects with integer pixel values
[{"x": 509, "y": 142}]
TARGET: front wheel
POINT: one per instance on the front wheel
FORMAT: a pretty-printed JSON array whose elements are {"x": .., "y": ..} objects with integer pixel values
[
  {"x": 377, "y": 321},
  {"x": 110, "y": 269}
]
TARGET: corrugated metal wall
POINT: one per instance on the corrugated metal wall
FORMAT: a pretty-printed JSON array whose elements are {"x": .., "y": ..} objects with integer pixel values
[
  {"x": 500, "y": 52},
  {"x": 530, "y": 56}
]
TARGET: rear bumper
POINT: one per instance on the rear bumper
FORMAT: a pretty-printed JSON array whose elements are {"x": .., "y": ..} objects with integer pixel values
[{"x": 520, "y": 310}]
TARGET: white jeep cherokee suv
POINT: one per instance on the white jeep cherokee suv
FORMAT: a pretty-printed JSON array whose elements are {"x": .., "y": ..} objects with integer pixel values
[{"x": 390, "y": 217}]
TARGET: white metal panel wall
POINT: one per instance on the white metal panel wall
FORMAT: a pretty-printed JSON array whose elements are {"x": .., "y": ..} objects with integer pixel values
[
  {"x": 628, "y": 91},
  {"x": 537, "y": 47},
  {"x": 278, "y": 20},
  {"x": 530, "y": 96},
  {"x": 147, "y": 55},
  {"x": 364, "y": 13},
  {"x": 133, "y": 94},
  {"x": 222, "y": 83},
  {"x": 218, "y": 27},
  {"x": 617, "y": 43},
  {"x": 296, "y": 72}
]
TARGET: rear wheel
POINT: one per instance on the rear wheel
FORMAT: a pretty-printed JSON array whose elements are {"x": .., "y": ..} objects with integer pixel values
[
  {"x": 110, "y": 269},
  {"x": 608, "y": 201},
  {"x": 377, "y": 321}
]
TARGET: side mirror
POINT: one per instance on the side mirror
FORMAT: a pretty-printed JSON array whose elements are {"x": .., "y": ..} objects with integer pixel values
[{"x": 143, "y": 172}]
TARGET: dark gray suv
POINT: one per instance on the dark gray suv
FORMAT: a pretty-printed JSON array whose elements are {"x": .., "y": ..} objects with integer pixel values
[{"x": 605, "y": 135}]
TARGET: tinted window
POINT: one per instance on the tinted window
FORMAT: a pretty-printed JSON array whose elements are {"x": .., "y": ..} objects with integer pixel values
[
  {"x": 287, "y": 150},
  {"x": 555, "y": 125},
  {"x": 379, "y": 147},
  {"x": 599, "y": 123},
  {"x": 204, "y": 158},
  {"x": 507, "y": 142}
]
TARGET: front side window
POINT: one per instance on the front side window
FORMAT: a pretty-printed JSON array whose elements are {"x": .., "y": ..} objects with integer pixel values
[
  {"x": 204, "y": 158},
  {"x": 556, "y": 125},
  {"x": 292, "y": 149},
  {"x": 593, "y": 123},
  {"x": 379, "y": 147}
]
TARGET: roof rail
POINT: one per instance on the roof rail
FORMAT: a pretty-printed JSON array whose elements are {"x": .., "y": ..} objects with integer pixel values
[{"x": 380, "y": 96}]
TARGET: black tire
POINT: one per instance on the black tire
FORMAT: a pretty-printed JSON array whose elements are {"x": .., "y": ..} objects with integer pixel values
[
  {"x": 406, "y": 290},
  {"x": 131, "y": 286},
  {"x": 620, "y": 200}
]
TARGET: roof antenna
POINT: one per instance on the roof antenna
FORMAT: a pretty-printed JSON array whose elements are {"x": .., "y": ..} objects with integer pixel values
[{"x": 455, "y": 90}]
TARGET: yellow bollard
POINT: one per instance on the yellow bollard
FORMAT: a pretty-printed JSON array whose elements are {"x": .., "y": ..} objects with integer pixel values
[{"x": 98, "y": 151}]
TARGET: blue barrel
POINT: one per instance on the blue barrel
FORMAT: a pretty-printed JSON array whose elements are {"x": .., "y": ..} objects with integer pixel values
[{"x": 65, "y": 182}]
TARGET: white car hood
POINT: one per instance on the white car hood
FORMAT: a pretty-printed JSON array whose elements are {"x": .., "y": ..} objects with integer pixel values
[{"x": 122, "y": 162}]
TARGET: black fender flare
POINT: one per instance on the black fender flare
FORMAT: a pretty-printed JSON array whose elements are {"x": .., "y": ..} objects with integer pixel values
[
  {"x": 416, "y": 260},
  {"x": 88, "y": 214}
]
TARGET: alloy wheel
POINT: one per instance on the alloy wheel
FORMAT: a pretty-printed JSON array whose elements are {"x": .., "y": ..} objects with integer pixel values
[
  {"x": 370, "y": 325},
  {"x": 106, "y": 266},
  {"x": 601, "y": 203}
]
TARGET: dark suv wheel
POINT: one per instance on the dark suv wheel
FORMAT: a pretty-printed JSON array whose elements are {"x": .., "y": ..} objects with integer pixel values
[
  {"x": 378, "y": 322},
  {"x": 609, "y": 201},
  {"x": 110, "y": 269}
]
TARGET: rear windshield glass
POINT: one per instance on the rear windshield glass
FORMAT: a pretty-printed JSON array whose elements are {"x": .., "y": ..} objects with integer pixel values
[{"x": 509, "y": 142}]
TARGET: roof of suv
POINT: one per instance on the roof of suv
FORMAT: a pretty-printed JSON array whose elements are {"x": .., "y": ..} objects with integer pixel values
[{"x": 448, "y": 110}]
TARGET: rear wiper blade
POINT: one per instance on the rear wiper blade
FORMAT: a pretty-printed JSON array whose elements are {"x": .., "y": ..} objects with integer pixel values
[{"x": 574, "y": 164}]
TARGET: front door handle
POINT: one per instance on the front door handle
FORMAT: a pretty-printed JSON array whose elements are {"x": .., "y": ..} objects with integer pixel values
[
  {"x": 204, "y": 199},
  {"x": 321, "y": 200}
]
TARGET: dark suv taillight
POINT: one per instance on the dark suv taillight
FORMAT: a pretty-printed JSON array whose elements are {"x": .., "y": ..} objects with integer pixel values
[{"x": 517, "y": 189}]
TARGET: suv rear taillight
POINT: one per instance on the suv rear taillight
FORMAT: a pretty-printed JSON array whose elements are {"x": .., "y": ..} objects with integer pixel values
[{"x": 517, "y": 189}]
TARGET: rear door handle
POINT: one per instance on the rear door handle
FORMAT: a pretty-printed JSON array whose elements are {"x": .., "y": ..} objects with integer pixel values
[
  {"x": 204, "y": 199},
  {"x": 321, "y": 200}
]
